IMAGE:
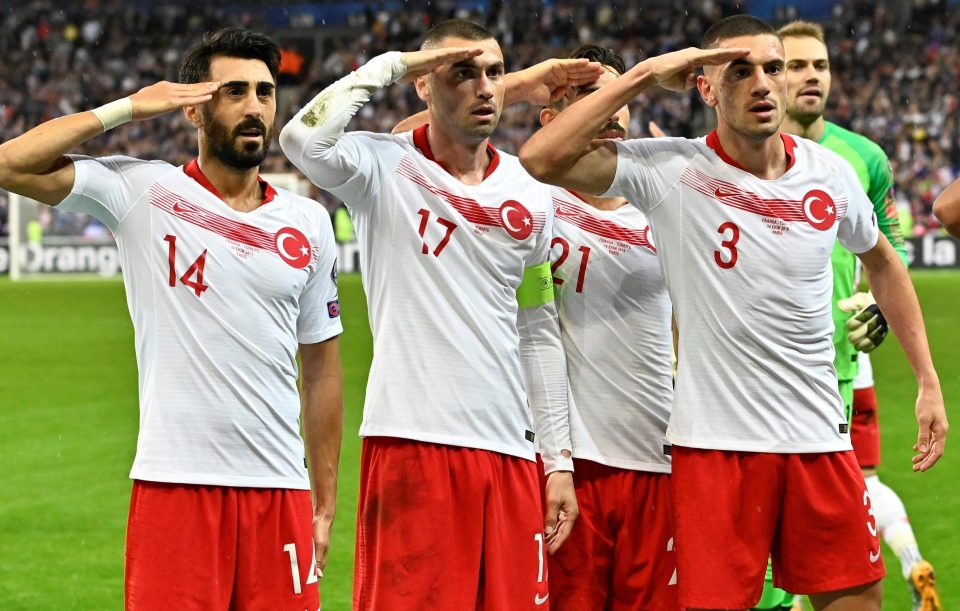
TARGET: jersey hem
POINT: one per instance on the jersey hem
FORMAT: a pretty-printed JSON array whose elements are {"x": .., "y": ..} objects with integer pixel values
[
  {"x": 451, "y": 440},
  {"x": 320, "y": 337},
  {"x": 627, "y": 465},
  {"x": 771, "y": 447},
  {"x": 211, "y": 479}
]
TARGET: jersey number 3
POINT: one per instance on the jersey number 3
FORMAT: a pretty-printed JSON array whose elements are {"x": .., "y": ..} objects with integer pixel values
[
  {"x": 728, "y": 244},
  {"x": 193, "y": 277}
]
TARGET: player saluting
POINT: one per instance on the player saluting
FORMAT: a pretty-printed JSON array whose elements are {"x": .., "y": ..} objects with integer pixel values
[
  {"x": 745, "y": 221},
  {"x": 449, "y": 512},
  {"x": 225, "y": 275},
  {"x": 615, "y": 318}
]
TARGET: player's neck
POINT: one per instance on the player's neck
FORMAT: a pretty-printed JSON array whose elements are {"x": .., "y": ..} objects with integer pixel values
[
  {"x": 465, "y": 161},
  {"x": 812, "y": 131},
  {"x": 764, "y": 158},
  {"x": 239, "y": 189},
  {"x": 603, "y": 203}
]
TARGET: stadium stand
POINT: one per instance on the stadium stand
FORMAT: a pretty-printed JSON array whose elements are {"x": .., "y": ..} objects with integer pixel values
[{"x": 897, "y": 66}]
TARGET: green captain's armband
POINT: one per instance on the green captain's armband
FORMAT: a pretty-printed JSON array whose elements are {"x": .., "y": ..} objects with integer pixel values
[{"x": 536, "y": 288}]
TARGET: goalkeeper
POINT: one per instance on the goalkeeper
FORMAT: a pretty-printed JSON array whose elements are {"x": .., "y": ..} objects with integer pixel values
[{"x": 858, "y": 323}]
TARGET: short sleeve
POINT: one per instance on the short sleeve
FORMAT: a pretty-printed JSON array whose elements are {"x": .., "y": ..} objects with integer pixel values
[
  {"x": 108, "y": 187},
  {"x": 858, "y": 231},
  {"x": 647, "y": 169},
  {"x": 319, "y": 318}
]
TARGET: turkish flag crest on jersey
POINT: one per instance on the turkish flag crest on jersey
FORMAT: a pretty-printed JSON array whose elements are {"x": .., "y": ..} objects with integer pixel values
[
  {"x": 819, "y": 210},
  {"x": 517, "y": 220},
  {"x": 293, "y": 247}
]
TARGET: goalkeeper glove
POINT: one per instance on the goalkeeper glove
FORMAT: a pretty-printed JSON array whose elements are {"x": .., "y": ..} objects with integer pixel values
[{"x": 867, "y": 327}]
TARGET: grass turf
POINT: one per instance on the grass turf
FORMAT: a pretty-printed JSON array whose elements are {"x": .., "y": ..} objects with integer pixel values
[{"x": 68, "y": 421}]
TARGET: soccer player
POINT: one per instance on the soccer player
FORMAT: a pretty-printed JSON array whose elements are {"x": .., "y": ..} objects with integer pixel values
[
  {"x": 745, "y": 220},
  {"x": 947, "y": 208},
  {"x": 449, "y": 511},
  {"x": 808, "y": 87},
  {"x": 225, "y": 275},
  {"x": 615, "y": 320}
]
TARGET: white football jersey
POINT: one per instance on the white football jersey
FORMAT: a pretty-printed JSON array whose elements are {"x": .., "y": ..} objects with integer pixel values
[
  {"x": 615, "y": 318},
  {"x": 864, "y": 377},
  {"x": 441, "y": 262},
  {"x": 747, "y": 265},
  {"x": 219, "y": 300}
]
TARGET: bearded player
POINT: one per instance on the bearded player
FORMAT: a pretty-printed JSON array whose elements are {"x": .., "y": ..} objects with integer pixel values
[
  {"x": 454, "y": 239},
  {"x": 225, "y": 275},
  {"x": 745, "y": 221},
  {"x": 808, "y": 87}
]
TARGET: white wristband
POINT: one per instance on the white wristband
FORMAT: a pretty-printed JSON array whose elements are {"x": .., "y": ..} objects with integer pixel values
[{"x": 115, "y": 113}]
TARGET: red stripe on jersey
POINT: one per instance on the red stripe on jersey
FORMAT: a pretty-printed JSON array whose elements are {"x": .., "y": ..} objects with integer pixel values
[
  {"x": 732, "y": 195},
  {"x": 239, "y": 232},
  {"x": 470, "y": 209},
  {"x": 578, "y": 217}
]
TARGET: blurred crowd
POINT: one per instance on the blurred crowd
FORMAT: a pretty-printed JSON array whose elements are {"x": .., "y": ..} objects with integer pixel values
[{"x": 896, "y": 67}]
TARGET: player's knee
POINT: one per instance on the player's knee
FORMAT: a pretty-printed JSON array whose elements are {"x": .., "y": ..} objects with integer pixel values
[{"x": 867, "y": 597}]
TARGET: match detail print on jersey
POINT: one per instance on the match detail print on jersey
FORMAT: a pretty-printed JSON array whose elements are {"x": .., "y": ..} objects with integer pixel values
[
  {"x": 289, "y": 243},
  {"x": 602, "y": 227},
  {"x": 511, "y": 216}
]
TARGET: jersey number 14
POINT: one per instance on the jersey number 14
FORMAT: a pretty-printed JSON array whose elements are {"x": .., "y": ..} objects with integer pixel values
[{"x": 193, "y": 277}]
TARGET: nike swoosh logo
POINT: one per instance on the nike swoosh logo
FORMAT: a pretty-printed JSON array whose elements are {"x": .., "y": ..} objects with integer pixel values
[
  {"x": 539, "y": 601},
  {"x": 720, "y": 193},
  {"x": 874, "y": 556},
  {"x": 178, "y": 208},
  {"x": 565, "y": 212}
]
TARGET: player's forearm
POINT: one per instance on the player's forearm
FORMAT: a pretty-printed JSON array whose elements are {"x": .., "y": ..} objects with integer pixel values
[
  {"x": 309, "y": 139},
  {"x": 27, "y": 161},
  {"x": 897, "y": 299},
  {"x": 323, "y": 433},
  {"x": 556, "y": 147},
  {"x": 545, "y": 374},
  {"x": 947, "y": 208}
]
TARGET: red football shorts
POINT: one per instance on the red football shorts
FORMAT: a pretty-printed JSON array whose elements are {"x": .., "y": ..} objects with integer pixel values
[
  {"x": 444, "y": 527},
  {"x": 619, "y": 556},
  {"x": 810, "y": 512},
  {"x": 865, "y": 427},
  {"x": 215, "y": 547}
]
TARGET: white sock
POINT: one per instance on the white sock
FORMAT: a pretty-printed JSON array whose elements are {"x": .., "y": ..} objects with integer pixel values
[{"x": 893, "y": 524}]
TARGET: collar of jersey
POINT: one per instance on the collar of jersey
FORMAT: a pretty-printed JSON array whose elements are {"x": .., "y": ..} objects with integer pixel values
[
  {"x": 193, "y": 170},
  {"x": 423, "y": 144},
  {"x": 713, "y": 141}
]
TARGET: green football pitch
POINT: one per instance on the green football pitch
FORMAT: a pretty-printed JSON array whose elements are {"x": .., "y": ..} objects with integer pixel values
[{"x": 68, "y": 422}]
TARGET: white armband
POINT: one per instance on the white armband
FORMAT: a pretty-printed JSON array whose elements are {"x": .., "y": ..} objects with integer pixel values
[{"x": 115, "y": 113}]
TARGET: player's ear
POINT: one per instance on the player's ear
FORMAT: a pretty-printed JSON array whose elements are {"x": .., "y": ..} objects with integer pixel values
[
  {"x": 547, "y": 114},
  {"x": 192, "y": 113},
  {"x": 423, "y": 90},
  {"x": 705, "y": 87}
]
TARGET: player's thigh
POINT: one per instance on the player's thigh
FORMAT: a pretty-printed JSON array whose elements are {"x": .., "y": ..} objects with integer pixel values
[
  {"x": 276, "y": 564},
  {"x": 828, "y": 536},
  {"x": 180, "y": 547},
  {"x": 644, "y": 575},
  {"x": 419, "y": 525},
  {"x": 580, "y": 570},
  {"x": 726, "y": 507}
]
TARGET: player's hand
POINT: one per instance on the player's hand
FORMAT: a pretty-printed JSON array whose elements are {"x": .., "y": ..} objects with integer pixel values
[
  {"x": 562, "y": 509},
  {"x": 322, "y": 526},
  {"x": 655, "y": 131},
  {"x": 420, "y": 63},
  {"x": 867, "y": 327},
  {"x": 165, "y": 96},
  {"x": 550, "y": 80},
  {"x": 676, "y": 71},
  {"x": 932, "y": 420}
]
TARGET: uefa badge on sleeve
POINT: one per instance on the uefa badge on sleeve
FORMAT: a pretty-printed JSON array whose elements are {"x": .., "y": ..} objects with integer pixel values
[{"x": 333, "y": 308}]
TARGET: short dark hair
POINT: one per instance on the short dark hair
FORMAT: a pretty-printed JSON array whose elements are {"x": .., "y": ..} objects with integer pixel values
[
  {"x": 455, "y": 28},
  {"x": 595, "y": 53},
  {"x": 228, "y": 42},
  {"x": 735, "y": 26}
]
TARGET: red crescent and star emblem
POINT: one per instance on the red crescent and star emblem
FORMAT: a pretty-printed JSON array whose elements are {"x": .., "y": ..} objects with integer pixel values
[
  {"x": 293, "y": 247},
  {"x": 819, "y": 210},
  {"x": 517, "y": 220}
]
